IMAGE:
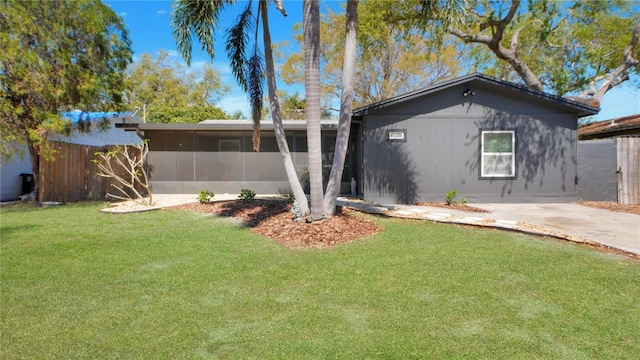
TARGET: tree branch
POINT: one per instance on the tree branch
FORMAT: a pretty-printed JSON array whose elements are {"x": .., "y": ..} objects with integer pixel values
[{"x": 620, "y": 75}]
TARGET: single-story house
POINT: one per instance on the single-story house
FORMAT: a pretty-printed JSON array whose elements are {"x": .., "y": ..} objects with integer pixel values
[
  {"x": 490, "y": 140},
  {"x": 101, "y": 128}
]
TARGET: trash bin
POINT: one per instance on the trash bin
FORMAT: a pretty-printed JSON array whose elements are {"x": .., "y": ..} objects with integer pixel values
[{"x": 27, "y": 183}]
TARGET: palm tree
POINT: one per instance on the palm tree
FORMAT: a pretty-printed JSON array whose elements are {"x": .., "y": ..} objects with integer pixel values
[
  {"x": 311, "y": 25},
  {"x": 346, "y": 102},
  {"x": 200, "y": 19}
]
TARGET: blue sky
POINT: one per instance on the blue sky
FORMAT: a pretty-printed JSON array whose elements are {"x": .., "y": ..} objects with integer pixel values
[{"x": 150, "y": 32}]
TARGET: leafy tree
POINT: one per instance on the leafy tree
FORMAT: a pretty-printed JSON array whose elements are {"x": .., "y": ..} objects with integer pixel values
[
  {"x": 577, "y": 48},
  {"x": 185, "y": 115},
  {"x": 166, "y": 88},
  {"x": 392, "y": 59},
  {"x": 57, "y": 56}
]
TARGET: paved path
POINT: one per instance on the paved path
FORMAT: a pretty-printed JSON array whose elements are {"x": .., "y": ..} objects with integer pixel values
[{"x": 568, "y": 221}]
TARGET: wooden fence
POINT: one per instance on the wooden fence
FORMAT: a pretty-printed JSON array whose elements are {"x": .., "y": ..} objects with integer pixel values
[
  {"x": 72, "y": 176},
  {"x": 628, "y": 160}
]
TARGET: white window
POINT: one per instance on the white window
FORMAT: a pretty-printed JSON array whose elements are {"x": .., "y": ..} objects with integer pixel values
[{"x": 498, "y": 154}]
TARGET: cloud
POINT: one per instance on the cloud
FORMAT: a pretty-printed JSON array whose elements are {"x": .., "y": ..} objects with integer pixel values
[
  {"x": 160, "y": 12},
  {"x": 123, "y": 14}
]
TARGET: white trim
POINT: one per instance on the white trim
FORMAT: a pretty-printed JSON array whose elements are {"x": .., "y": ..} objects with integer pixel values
[{"x": 494, "y": 155}]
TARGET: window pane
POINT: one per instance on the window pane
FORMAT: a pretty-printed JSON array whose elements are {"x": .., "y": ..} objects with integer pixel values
[
  {"x": 497, "y": 165},
  {"x": 498, "y": 142}
]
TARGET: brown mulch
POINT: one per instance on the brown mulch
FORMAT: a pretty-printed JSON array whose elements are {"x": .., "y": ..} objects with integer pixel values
[
  {"x": 631, "y": 209},
  {"x": 273, "y": 218},
  {"x": 461, "y": 207}
]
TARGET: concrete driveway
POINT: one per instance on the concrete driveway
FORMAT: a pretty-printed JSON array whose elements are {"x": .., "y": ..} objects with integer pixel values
[
  {"x": 563, "y": 220},
  {"x": 614, "y": 229}
]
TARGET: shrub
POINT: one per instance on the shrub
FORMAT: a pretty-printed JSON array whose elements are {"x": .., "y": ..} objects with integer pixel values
[
  {"x": 205, "y": 196},
  {"x": 247, "y": 195},
  {"x": 450, "y": 198}
]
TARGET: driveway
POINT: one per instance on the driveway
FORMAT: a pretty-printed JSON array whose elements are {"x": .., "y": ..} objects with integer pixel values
[
  {"x": 570, "y": 221},
  {"x": 614, "y": 229}
]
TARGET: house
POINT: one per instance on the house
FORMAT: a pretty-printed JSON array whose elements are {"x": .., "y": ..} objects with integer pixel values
[
  {"x": 487, "y": 139},
  {"x": 490, "y": 140},
  {"x": 100, "y": 128}
]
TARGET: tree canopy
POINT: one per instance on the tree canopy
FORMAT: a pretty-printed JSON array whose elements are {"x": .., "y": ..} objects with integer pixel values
[
  {"x": 57, "y": 56},
  {"x": 580, "y": 49},
  {"x": 169, "y": 92},
  {"x": 391, "y": 59}
]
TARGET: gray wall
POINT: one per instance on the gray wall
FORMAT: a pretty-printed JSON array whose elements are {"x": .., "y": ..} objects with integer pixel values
[
  {"x": 442, "y": 151},
  {"x": 597, "y": 179}
]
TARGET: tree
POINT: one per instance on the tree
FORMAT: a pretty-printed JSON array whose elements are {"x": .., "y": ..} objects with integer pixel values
[
  {"x": 346, "y": 103},
  {"x": 170, "y": 93},
  {"x": 57, "y": 56},
  {"x": 200, "y": 20},
  {"x": 292, "y": 106},
  {"x": 581, "y": 48},
  {"x": 392, "y": 59},
  {"x": 311, "y": 25},
  {"x": 185, "y": 115}
]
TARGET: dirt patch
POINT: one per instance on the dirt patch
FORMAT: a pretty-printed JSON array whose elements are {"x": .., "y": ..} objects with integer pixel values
[
  {"x": 461, "y": 207},
  {"x": 273, "y": 218},
  {"x": 631, "y": 209}
]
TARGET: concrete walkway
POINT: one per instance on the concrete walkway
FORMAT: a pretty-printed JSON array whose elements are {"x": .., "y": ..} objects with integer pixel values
[{"x": 567, "y": 221}]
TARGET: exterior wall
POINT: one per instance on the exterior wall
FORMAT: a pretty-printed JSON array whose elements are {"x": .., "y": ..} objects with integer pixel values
[
  {"x": 442, "y": 150},
  {"x": 597, "y": 179},
  {"x": 10, "y": 179},
  {"x": 224, "y": 161}
]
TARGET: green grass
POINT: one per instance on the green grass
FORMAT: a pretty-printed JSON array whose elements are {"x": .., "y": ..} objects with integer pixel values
[{"x": 76, "y": 283}]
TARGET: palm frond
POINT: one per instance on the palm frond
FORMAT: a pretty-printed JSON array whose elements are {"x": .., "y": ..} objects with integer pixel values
[
  {"x": 255, "y": 82},
  {"x": 191, "y": 18},
  {"x": 238, "y": 37}
]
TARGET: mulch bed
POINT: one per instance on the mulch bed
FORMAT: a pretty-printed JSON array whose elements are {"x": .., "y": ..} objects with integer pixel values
[
  {"x": 273, "y": 218},
  {"x": 461, "y": 207}
]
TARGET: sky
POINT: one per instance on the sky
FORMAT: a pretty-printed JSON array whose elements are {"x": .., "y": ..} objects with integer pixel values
[{"x": 148, "y": 22}]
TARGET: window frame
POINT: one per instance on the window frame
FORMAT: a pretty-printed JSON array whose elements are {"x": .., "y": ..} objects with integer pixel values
[{"x": 483, "y": 154}]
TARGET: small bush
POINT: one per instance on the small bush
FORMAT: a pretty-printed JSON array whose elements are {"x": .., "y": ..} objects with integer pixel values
[
  {"x": 450, "y": 198},
  {"x": 289, "y": 197},
  {"x": 247, "y": 195},
  {"x": 205, "y": 196}
]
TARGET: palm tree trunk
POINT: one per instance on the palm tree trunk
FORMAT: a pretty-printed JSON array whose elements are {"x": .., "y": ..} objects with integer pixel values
[
  {"x": 312, "y": 88},
  {"x": 346, "y": 102},
  {"x": 281, "y": 138}
]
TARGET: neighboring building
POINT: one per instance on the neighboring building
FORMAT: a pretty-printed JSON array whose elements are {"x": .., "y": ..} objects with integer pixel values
[
  {"x": 622, "y": 126},
  {"x": 609, "y": 160},
  {"x": 490, "y": 140},
  {"x": 101, "y": 130}
]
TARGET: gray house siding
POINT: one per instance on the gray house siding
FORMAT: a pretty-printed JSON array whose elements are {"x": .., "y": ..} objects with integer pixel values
[
  {"x": 442, "y": 149},
  {"x": 597, "y": 178}
]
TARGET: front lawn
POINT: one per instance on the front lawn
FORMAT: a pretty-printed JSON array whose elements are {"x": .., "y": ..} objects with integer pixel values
[{"x": 76, "y": 283}]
